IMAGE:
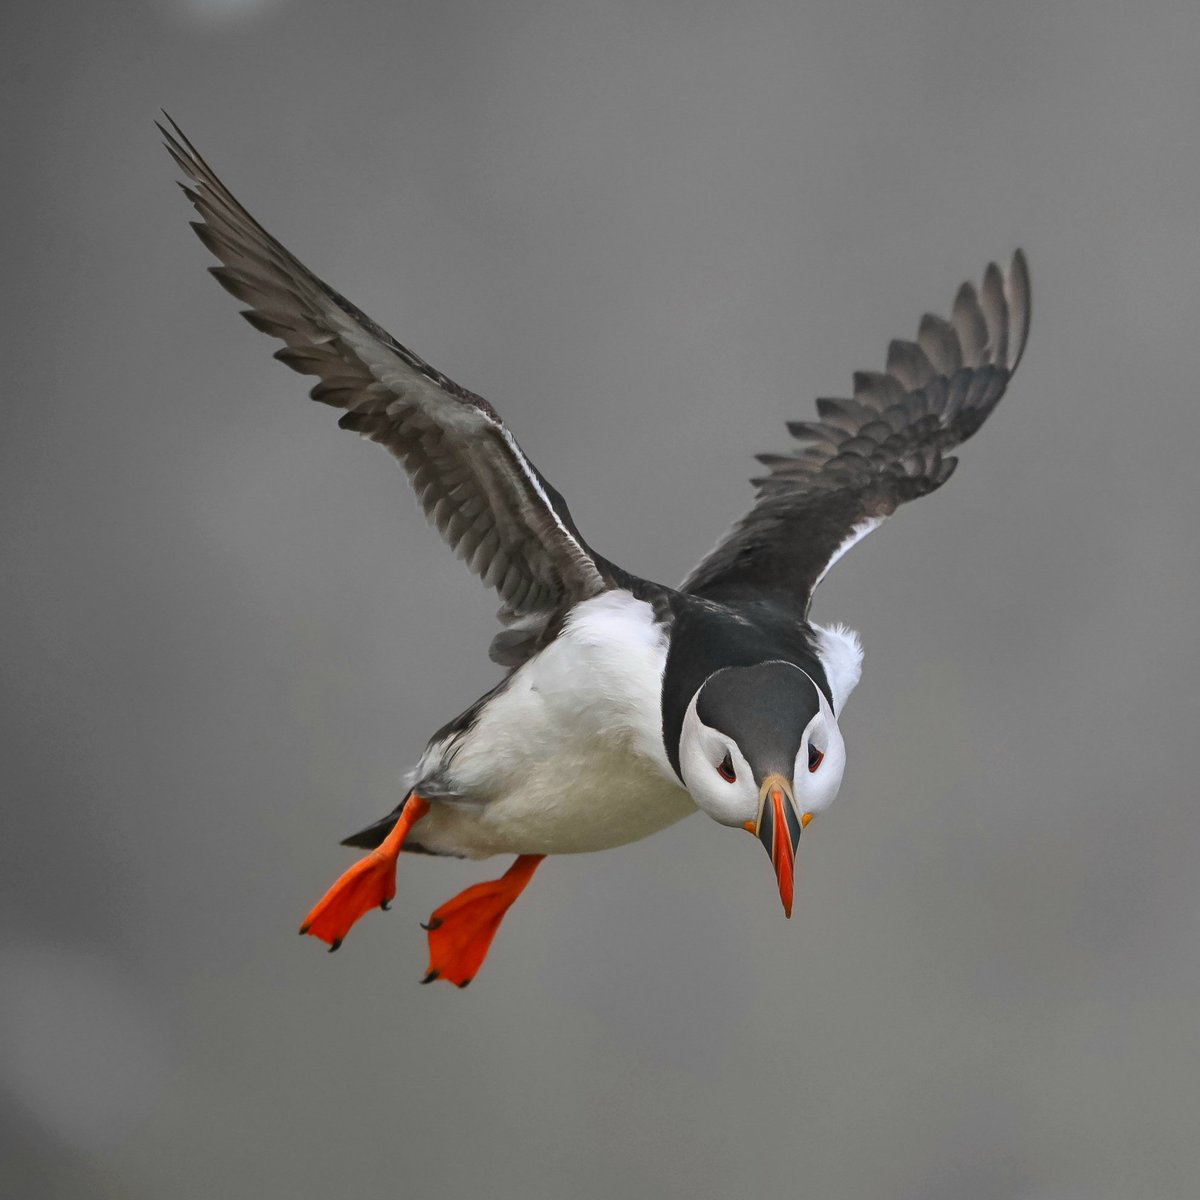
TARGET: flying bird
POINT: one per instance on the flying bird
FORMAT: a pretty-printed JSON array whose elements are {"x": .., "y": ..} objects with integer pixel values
[{"x": 627, "y": 704}]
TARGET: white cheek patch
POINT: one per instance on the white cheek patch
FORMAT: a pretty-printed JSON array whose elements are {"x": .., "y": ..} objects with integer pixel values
[
  {"x": 701, "y": 749},
  {"x": 817, "y": 790}
]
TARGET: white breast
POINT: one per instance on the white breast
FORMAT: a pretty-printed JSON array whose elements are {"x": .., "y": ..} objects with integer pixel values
[{"x": 569, "y": 757}]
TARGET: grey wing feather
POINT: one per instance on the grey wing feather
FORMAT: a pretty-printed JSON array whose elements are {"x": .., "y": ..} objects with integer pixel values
[
  {"x": 867, "y": 455},
  {"x": 472, "y": 479}
]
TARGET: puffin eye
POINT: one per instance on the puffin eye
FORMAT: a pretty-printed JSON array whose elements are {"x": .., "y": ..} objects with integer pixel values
[
  {"x": 725, "y": 770},
  {"x": 815, "y": 757}
]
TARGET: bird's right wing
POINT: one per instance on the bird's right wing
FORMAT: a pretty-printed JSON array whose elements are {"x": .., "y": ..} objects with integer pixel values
[
  {"x": 488, "y": 500},
  {"x": 866, "y": 456}
]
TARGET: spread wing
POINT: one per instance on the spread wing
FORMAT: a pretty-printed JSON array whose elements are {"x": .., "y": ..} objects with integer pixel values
[
  {"x": 865, "y": 456},
  {"x": 474, "y": 482}
]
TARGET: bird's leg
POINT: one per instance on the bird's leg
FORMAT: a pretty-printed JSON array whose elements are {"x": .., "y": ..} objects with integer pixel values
[
  {"x": 461, "y": 931},
  {"x": 369, "y": 884}
]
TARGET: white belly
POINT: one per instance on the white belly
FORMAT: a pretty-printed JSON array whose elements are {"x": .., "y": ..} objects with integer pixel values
[{"x": 569, "y": 757}]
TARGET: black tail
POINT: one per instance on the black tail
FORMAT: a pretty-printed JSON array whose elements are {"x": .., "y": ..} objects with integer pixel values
[{"x": 373, "y": 835}]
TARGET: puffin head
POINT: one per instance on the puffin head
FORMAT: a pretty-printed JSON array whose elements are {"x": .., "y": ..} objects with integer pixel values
[{"x": 760, "y": 749}]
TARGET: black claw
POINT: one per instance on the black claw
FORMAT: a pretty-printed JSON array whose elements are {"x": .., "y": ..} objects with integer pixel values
[
  {"x": 434, "y": 923},
  {"x": 465, "y": 982},
  {"x": 304, "y": 929},
  {"x": 334, "y": 944},
  {"x": 431, "y": 976},
  {"x": 385, "y": 905}
]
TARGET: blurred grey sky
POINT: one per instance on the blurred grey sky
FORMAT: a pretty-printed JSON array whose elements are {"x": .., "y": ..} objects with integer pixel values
[{"x": 649, "y": 233}]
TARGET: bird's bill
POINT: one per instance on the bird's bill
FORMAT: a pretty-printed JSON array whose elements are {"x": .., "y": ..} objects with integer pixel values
[{"x": 778, "y": 827}]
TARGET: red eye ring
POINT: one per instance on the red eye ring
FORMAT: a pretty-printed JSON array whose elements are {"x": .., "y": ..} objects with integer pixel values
[
  {"x": 815, "y": 758},
  {"x": 726, "y": 771}
]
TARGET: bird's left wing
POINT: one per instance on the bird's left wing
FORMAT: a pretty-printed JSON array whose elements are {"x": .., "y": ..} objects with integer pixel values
[
  {"x": 474, "y": 482},
  {"x": 866, "y": 456}
]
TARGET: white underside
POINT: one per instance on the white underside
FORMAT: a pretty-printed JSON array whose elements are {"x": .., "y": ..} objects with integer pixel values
[{"x": 569, "y": 757}]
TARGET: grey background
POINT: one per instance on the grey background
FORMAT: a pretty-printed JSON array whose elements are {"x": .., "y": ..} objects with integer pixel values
[{"x": 649, "y": 233}]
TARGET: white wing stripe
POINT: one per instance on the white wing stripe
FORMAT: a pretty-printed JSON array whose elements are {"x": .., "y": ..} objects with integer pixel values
[{"x": 857, "y": 533}]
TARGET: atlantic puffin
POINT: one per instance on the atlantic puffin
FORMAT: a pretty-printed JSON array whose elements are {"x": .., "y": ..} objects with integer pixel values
[{"x": 627, "y": 704}]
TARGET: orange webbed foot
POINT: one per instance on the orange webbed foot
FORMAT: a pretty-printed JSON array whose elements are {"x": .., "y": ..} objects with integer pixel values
[
  {"x": 369, "y": 883},
  {"x": 461, "y": 931}
]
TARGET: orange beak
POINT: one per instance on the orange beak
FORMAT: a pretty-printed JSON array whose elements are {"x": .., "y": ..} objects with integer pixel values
[{"x": 778, "y": 827}]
